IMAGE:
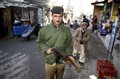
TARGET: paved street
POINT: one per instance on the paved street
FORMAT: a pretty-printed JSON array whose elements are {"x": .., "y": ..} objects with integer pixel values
[{"x": 20, "y": 59}]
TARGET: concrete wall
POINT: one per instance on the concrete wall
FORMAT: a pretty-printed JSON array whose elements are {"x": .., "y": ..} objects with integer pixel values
[
  {"x": 97, "y": 10},
  {"x": 116, "y": 57},
  {"x": 117, "y": 65},
  {"x": 7, "y": 19}
]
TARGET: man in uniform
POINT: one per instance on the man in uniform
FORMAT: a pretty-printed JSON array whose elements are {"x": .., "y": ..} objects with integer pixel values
[{"x": 55, "y": 35}]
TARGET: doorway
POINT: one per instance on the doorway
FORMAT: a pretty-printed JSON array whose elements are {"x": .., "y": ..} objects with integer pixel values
[{"x": 3, "y": 30}]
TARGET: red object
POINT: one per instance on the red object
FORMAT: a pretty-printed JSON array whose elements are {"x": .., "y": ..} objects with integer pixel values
[{"x": 105, "y": 68}]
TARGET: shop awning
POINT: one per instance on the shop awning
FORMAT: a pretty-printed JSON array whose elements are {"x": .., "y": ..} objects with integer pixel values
[
  {"x": 2, "y": 5},
  {"x": 24, "y": 3},
  {"x": 98, "y": 3}
]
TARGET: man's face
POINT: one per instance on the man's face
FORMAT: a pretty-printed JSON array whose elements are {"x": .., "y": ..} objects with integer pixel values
[
  {"x": 57, "y": 19},
  {"x": 84, "y": 27}
]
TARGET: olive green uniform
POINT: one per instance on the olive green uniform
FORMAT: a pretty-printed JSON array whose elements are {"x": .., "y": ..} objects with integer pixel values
[{"x": 51, "y": 37}]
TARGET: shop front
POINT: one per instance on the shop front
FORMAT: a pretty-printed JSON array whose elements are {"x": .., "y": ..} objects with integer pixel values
[
  {"x": 23, "y": 18},
  {"x": 3, "y": 28}
]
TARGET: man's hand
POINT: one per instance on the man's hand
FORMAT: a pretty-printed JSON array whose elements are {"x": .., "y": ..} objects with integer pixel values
[
  {"x": 49, "y": 51},
  {"x": 70, "y": 59}
]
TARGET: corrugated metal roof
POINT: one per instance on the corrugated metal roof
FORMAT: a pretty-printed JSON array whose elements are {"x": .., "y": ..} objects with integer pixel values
[
  {"x": 24, "y": 3},
  {"x": 2, "y": 5}
]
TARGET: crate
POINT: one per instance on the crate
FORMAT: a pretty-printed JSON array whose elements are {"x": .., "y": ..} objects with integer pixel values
[{"x": 105, "y": 68}]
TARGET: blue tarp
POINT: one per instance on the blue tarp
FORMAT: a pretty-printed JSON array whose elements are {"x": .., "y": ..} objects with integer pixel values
[
  {"x": 28, "y": 31},
  {"x": 18, "y": 30}
]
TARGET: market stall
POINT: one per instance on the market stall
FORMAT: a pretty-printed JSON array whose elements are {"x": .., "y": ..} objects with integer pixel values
[{"x": 20, "y": 26}]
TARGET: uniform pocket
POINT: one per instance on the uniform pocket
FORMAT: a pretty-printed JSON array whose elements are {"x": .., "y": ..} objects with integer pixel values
[{"x": 50, "y": 59}]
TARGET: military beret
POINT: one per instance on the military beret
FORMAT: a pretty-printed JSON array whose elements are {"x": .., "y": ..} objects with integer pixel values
[{"x": 57, "y": 10}]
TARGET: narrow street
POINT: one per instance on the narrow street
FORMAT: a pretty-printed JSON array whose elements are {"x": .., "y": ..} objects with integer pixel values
[{"x": 20, "y": 59}]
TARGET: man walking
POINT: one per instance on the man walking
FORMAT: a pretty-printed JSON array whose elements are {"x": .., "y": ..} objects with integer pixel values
[{"x": 81, "y": 38}]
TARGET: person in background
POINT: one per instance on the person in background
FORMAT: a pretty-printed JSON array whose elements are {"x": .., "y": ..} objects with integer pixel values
[
  {"x": 94, "y": 23},
  {"x": 55, "y": 35},
  {"x": 68, "y": 21},
  {"x": 17, "y": 22},
  {"x": 81, "y": 38},
  {"x": 85, "y": 20},
  {"x": 71, "y": 24},
  {"x": 118, "y": 25},
  {"x": 110, "y": 26},
  {"x": 75, "y": 25}
]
